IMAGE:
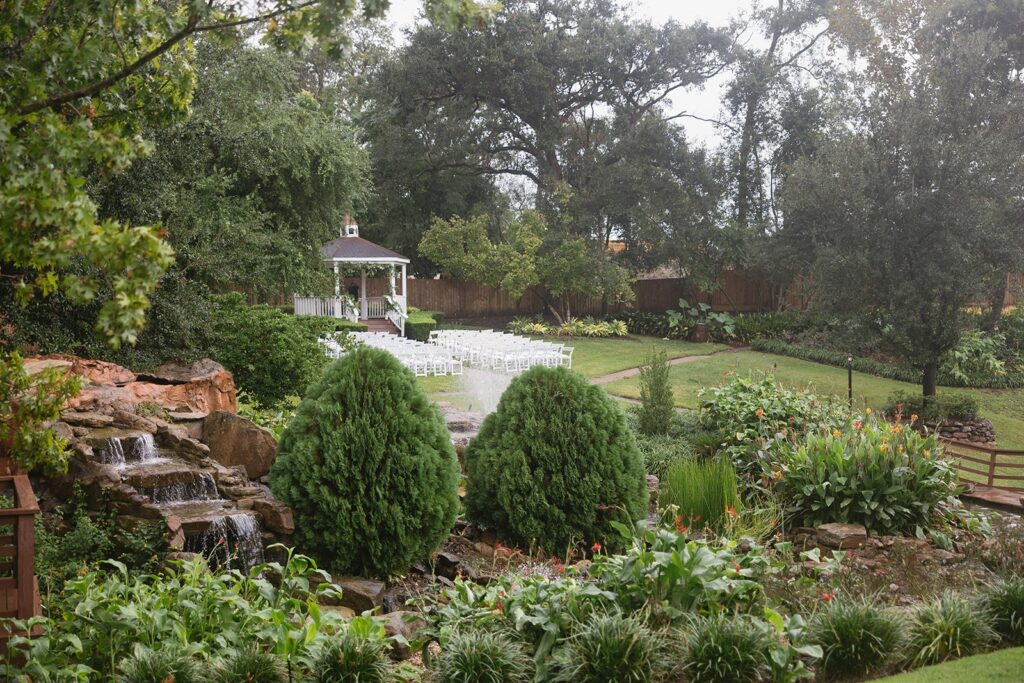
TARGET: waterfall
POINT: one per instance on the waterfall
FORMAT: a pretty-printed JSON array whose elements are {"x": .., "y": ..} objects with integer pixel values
[
  {"x": 133, "y": 448},
  {"x": 201, "y": 487},
  {"x": 230, "y": 542}
]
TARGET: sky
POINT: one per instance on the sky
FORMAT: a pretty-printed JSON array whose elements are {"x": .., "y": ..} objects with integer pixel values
[{"x": 703, "y": 103}]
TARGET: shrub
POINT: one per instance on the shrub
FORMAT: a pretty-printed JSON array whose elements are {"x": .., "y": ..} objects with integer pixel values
[
  {"x": 418, "y": 326},
  {"x": 612, "y": 648},
  {"x": 1004, "y": 604},
  {"x": 270, "y": 354},
  {"x": 856, "y": 638},
  {"x": 159, "y": 666},
  {"x": 946, "y": 628},
  {"x": 352, "y": 658},
  {"x": 250, "y": 665},
  {"x": 887, "y": 477},
  {"x": 367, "y": 467},
  {"x": 774, "y": 325},
  {"x": 659, "y": 453},
  {"x": 656, "y": 405},
  {"x": 555, "y": 464},
  {"x": 529, "y": 326},
  {"x": 704, "y": 492},
  {"x": 725, "y": 649},
  {"x": 647, "y": 324},
  {"x": 945, "y": 406},
  {"x": 975, "y": 359},
  {"x": 482, "y": 656},
  {"x": 754, "y": 410}
]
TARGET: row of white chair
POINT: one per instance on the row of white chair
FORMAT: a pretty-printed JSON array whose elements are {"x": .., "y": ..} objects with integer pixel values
[
  {"x": 422, "y": 359},
  {"x": 500, "y": 351}
]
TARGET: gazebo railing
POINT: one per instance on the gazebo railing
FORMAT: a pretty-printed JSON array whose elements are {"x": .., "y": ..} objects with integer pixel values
[{"x": 330, "y": 307}]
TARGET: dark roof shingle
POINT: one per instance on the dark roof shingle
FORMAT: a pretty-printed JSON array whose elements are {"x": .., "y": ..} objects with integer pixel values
[{"x": 353, "y": 247}]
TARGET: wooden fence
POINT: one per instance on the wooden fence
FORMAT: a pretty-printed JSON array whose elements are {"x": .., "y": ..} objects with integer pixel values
[
  {"x": 737, "y": 293},
  {"x": 998, "y": 468},
  {"x": 19, "y": 589}
]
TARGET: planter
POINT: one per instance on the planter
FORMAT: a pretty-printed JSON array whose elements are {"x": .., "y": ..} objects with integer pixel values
[{"x": 700, "y": 333}]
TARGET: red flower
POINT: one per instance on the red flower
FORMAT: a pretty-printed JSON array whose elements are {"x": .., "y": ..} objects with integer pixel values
[
  {"x": 760, "y": 414},
  {"x": 596, "y": 547},
  {"x": 828, "y": 597}
]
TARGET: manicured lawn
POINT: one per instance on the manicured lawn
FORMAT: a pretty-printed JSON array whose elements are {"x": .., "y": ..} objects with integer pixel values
[
  {"x": 1005, "y": 407},
  {"x": 596, "y": 357},
  {"x": 1004, "y": 666}
]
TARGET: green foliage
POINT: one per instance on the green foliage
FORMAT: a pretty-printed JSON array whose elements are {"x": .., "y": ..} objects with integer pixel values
[
  {"x": 751, "y": 412},
  {"x": 482, "y": 656},
  {"x": 354, "y": 658},
  {"x": 571, "y": 327},
  {"x": 887, "y": 477},
  {"x": 419, "y": 325},
  {"x": 250, "y": 665},
  {"x": 555, "y": 464},
  {"x": 705, "y": 493},
  {"x": 974, "y": 359},
  {"x": 613, "y": 647},
  {"x": 159, "y": 666},
  {"x": 725, "y": 649},
  {"x": 659, "y": 453},
  {"x": 946, "y": 628},
  {"x": 462, "y": 248},
  {"x": 72, "y": 540},
  {"x": 773, "y": 325},
  {"x": 856, "y": 638},
  {"x": 367, "y": 467},
  {"x": 1003, "y": 602},
  {"x": 274, "y": 418},
  {"x": 104, "y": 617},
  {"x": 939, "y": 408},
  {"x": 270, "y": 354},
  {"x": 646, "y": 324},
  {"x": 720, "y": 326},
  {"x": 656, "y": 404},
  {"x": 902, "y": 373},
  {"x": 672, "y": 576},
  {"x": 27, "y": 404}
]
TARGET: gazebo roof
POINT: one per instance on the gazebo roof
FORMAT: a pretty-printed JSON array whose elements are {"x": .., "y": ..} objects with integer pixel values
[{"x": 359, "y": 250}]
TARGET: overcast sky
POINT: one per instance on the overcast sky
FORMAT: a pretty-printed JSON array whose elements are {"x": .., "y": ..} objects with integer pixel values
[{"x": 703, "y": 103}]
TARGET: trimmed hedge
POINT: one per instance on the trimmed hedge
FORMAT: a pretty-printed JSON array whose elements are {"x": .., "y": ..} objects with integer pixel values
[
  {"x": 368, "y": 468},
  {"x": 419, "y": 325},
  {"x": 902, "y": 373},
  {"x": 555, "y": 464}
]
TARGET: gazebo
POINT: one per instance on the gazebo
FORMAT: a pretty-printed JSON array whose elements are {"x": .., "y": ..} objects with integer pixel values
[{"x": 350, "y": 252}]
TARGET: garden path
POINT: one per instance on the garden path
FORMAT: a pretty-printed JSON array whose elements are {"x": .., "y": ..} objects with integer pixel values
[{"x": 633, "y": 372}]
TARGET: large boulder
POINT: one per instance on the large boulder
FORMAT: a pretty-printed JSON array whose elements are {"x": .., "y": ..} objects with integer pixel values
[{"x": 234, "y": 440}]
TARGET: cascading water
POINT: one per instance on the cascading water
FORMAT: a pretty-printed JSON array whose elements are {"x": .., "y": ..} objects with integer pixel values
[
  {"x": 231, "y": 541},
  {"x": 201, "y": 486},
  {"x": 129, "y": 448},
  {"x": 483, "y": 389}
]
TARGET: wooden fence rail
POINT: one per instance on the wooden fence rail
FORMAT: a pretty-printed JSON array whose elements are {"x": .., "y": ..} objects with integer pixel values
[
  {"x": 19, "y": 589},
  {"x": 998, "y": 468}
]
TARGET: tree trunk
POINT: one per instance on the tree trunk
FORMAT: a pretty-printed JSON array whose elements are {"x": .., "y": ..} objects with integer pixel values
[
  {"x": 931, "y": 376},
  {"x": 997, "y": 299}
]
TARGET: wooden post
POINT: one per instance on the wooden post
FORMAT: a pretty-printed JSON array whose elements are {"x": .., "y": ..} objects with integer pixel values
[
  {"x": 25, "y": 540},
  {"x": 992, "y": 468}
]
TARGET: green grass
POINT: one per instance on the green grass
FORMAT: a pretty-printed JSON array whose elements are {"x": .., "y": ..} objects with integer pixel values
[
  {"x": 1005, "y": 407},
  {"x": 1003, "y": 666},
  {"x": 597, "y": 357}
]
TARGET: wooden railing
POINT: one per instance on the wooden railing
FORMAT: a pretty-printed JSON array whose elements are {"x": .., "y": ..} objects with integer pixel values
[
  {"x": 19, "y": 590},
  {"x": 999, "y": 468}
]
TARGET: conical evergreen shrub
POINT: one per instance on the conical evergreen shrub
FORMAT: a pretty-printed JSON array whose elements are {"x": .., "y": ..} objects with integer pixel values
[
  {"x": 368, "y": 468},
  {"x": 555, "y": 464}
]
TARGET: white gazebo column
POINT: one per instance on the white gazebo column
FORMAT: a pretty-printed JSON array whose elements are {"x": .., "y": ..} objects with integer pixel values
[
  {"x": 405, "y": 290},
  {"x": 362, "y": 295},
  {"x": 337, "y": 294},
  {"x": 391, "y": 279}
]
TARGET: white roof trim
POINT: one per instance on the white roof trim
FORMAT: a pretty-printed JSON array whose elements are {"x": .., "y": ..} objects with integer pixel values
[{"x": 367, "y": 260}]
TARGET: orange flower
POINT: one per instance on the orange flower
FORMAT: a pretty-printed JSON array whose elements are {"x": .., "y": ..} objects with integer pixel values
[
  {"x": 836, "y": 433},
  {"x": 776, "y": 474},
  {"x": 596, "y": 547},
  {"x": 857, "y": 424},
  {"x": 884, "y": 447},
  {"x": 828, "y": 596},
  {"x": 731, "y": 511},
  {"x": 913, "y": 418},
  {"x": 760, "y": 414}
]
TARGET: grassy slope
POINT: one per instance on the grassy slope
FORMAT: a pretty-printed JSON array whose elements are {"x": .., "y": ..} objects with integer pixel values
[
  {"x": 1005, "y": 407},
  {"x": 1004, "y": 666}
]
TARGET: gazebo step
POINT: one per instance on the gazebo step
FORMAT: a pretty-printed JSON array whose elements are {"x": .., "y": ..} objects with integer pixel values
[{"x": 379, "y": 325}]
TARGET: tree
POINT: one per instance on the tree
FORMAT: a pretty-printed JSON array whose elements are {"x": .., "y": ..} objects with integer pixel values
[
  {"x": 79, "y": 82},
  {"x": 368, "y": 467},
  {"x": 563, "y": 103},
  {"x": 907, "y": 195},
  {"x": 521, "y": 258}
]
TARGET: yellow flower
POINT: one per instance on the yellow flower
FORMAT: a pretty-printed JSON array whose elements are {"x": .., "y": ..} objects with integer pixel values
[
  {"x": 913, "y": 418},
  {"x": 867, "y": 411},
  {"x": 926, "y": 453},
  {"x": 776, "y": 474},
  {"x": 836, "y": 433},
  {"x": 899, "y": 449},
  {"x": 884, "y": 447}
]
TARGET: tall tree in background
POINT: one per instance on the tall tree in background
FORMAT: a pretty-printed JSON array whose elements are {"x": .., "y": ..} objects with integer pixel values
[
  {"x": 565, "y": 101},
  {"x": 906, "y": 198}
]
